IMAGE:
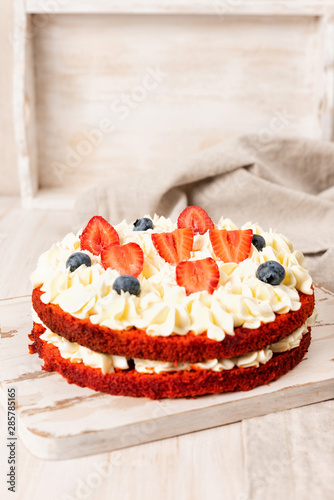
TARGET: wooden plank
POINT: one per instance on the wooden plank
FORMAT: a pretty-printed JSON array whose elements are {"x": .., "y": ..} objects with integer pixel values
[
  {"x": 24, "y": 103},
  {"x": 58, "y": 420},
  {"x": 279, "y": 453},
  {"x": 222, "y": 7}
]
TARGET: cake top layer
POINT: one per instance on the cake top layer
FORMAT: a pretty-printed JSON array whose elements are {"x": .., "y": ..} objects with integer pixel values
[{"x": 171, "y": 299}]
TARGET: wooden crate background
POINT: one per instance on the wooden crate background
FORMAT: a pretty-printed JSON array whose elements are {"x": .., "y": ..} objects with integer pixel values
[{"x": 228, "y": 67}]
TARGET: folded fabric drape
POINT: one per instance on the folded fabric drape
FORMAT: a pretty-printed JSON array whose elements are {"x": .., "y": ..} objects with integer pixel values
[{"x": 283, "y": 183}]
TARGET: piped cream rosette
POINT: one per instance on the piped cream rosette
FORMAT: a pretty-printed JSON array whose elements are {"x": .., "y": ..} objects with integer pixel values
[{"x": 163, "y": 308}]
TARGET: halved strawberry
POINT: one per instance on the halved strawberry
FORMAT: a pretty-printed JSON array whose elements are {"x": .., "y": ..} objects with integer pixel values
[
  {"x": 196, "y": 218},
  {"x": 126, "y": 259},
  {"x": 174, "y": 246},
  {"x": 231, "y": 246},
  {"x": 197, "y": 275},
  {"x": 183, "y": 241},
  {"x": 98, "y": 234}
]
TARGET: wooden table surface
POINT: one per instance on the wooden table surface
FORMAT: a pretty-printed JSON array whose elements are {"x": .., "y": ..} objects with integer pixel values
[{"x": 285, "y": 455}]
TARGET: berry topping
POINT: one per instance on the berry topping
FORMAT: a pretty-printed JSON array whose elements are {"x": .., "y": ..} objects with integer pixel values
[
  {"x": 143, "y": 224},
  {"x": 127, "y": 284},
  {"x": 259, "y": 242},
  {"x": 126, "y": 259},
  {"x": 175, "y": 246},
  {"x": 271, "y": 272},
  {"x": 196, "y": 218},
  {"x": 78, "y": 259},
  {"x": 97, "y": 235},
  {"x": 197, "y": 275},
  {"x": 231, "y": 246}
]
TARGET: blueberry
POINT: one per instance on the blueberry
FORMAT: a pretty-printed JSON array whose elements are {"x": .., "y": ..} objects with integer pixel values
[
  {"x": 259, "y": 242},
  {"x": 143, "y": 224},
  {"x": 77, "y": 259},
  {"x": 271, "y": 272},
  {"x": 127, "y": 284}
]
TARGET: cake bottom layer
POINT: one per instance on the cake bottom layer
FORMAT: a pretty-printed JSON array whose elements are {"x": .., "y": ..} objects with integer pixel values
[{"x": 168, "y": 384}]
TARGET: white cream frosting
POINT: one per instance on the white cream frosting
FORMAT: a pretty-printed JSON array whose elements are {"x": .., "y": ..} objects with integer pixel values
[
  {"x": 107, "y": 362},
  {"x": 163, "y": 308},
  {"x": 79, "y": 354}
]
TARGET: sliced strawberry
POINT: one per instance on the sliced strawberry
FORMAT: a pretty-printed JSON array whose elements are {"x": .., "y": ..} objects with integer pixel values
[
  {"x": 196, "y": 218},
  {"x": 164, "y": 244},
  {"x": 183, "y": 241},
  {"x": 197, "y": 275},
  {"x": 231, "y": 246},
  {"x": 174, "y": 246},
  {"x": 126, "y": 259},
  {"x": 98, "y": 234}
]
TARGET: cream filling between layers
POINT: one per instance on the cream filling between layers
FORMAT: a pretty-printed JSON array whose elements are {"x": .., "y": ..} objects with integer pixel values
[
  {"x": 107, "y": 362},
  {"x": 163, "y": 307}
]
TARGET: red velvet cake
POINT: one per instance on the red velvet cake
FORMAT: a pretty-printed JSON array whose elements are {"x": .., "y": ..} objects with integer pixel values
[{"x": 163, "y": 310}]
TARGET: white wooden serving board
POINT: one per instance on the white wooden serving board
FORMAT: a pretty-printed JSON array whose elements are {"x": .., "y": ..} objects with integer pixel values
[{"x": 57, "y": 420}]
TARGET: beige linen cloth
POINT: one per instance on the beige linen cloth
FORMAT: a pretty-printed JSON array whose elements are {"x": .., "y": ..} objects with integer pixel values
[{"x": 285, "y": 183}]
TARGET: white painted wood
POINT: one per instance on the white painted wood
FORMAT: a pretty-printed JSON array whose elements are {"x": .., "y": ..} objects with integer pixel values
[
  {"x": 58, "y": 420},
  {"x": 9, "y": 179},
  {"x": 327, "y": 101},
  {"x": 280, "y": 449},
  {"x": 188, "y": 467},
  {"x": 251, "y": 61},
  {"x": 244, "y": 76},
  {"x": 264, "y": 457},
  {"x": 24, "y": 104},
  {"x": 226, "y": 7}
]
